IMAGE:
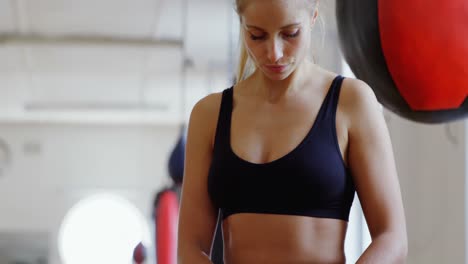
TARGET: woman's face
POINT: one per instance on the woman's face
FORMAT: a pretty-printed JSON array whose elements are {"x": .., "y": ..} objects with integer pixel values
[{"x": 277, "y": 34}]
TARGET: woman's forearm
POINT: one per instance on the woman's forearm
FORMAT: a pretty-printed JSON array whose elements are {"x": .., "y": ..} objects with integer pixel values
[{"x": 386, "y": 248}]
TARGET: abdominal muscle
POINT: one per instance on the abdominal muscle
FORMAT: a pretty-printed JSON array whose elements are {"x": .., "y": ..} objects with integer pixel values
[{"x": 269, "y": 238}]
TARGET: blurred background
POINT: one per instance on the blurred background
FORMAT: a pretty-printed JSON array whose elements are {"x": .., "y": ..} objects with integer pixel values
[{"x": 93, "y": 99}]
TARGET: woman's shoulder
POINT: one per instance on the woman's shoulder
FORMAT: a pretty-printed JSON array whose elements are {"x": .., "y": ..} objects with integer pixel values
[
  {"x": 358, "y": 100},
  {"x": 356, "y": 85},
  {"x": 205, "y": 112},
  {"x": 207, "y": 108},
  {"x": 207, "y": 104},
  {"x": 356, "y": 94}
]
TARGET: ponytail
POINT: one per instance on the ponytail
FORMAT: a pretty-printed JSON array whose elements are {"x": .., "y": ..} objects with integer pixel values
[{"x": 245, "y": 65}]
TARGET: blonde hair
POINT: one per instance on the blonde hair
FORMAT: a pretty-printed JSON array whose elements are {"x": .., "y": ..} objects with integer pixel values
[{"x": 245, "y": 67}]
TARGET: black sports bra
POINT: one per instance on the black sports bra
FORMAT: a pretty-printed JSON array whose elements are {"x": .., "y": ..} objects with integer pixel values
[{"x": 311, "y": 180}]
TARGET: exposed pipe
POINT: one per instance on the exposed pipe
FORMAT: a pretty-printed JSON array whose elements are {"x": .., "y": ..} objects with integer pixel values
[
  {"x": 185, "y": 63},
  {"x": 147, "y": 54},
  {"x": 21, "y": 19},
  {"x": 230, "y": 67}
]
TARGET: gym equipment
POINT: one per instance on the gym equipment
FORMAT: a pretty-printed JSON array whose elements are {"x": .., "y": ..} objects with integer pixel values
[
  {"x": 176, "y": 160},
  {"x": 412, "y": 54},
  {"x": 139, "y": 253},
  {"x": 166, "y": 214}
]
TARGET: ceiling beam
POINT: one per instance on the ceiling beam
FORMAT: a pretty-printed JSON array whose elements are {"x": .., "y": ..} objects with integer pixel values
[
  {"x": 95, "y": 106},
  {"x": 36, "y": 39}
]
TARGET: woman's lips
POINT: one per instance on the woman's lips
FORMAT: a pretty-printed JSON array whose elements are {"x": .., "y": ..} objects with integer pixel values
[{"x": 276, "y": 68}]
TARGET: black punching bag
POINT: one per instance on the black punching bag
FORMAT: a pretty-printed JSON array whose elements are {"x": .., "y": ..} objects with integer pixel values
[
  {"x": 412, "y": 53},
  {"x": 175, "y": 165}
]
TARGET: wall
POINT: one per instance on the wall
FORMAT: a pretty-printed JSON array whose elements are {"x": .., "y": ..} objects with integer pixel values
[
  {"x": 431, "y": 163},
  {"x": 53, "y": 166}
]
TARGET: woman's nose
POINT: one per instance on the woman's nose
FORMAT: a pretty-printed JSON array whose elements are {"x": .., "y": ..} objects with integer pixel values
[{"x": 275, "y": 50}]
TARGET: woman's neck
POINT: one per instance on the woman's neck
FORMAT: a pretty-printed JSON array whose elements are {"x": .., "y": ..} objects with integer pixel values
[{"x": 277, "y": 90}]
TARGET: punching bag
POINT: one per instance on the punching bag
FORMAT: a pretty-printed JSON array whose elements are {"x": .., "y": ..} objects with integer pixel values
[
  {"x": 411, "y": 52},
  {"x": 139, "y": 253},
  {"x": 166, "y": 211},
  {"x": 176, "y": 159},
  {"x": 166, "y": 216}
]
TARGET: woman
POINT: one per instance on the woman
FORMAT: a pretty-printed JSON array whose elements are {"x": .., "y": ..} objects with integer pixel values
[{"x": 282, "y": 153}]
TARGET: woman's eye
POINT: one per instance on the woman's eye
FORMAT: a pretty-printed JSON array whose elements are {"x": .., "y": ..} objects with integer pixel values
[
  {"x": 285, "y": 34},
  {"x": 255, "y": 37},
  {"x": 291, "y": 35}
]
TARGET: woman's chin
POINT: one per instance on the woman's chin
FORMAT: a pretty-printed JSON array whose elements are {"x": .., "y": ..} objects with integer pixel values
[{"x": 277, "y": 76}]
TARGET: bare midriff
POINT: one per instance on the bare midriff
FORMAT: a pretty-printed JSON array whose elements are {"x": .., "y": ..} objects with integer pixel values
[{"x": 271, "y": 238}]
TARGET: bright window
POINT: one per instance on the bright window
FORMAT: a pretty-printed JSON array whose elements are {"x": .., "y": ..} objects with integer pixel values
[{"x": 102, "y": 228}]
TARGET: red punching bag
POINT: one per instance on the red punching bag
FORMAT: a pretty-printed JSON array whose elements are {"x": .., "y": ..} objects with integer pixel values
[
  {"x": 411, "y": 52},
  {"x": 166, "y": 219},
  {"x": 425, "y": 44}
]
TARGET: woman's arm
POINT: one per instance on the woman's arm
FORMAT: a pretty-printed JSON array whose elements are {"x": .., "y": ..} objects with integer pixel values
[
  {"x": 374, "y": 172},
  {"x": 197, "y": 219}
]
